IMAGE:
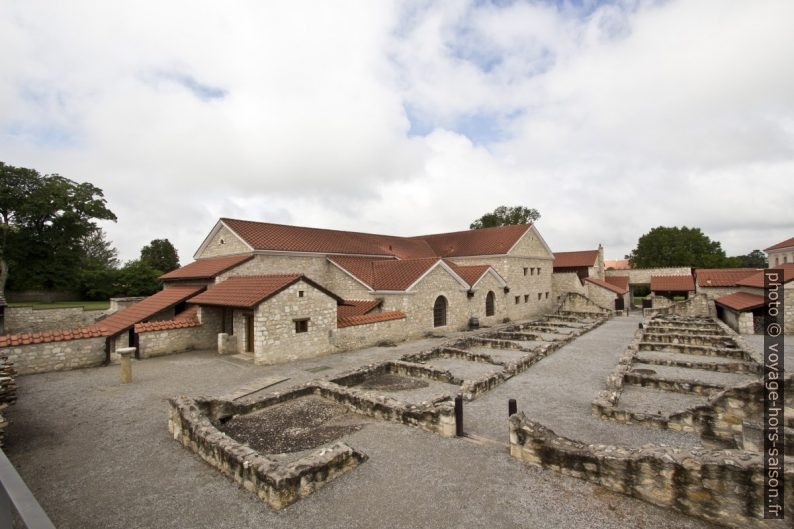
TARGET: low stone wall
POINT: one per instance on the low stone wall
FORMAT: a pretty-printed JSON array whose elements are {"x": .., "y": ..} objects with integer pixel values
[
  {"x": 721, "y": 486},
  {"x": 642, "y": 276},
  {"x": 563, "y": 282},
  {"x": 577, "y": 303},
  {"x": 741, "y": 322},
  {"x": 117, "y": 304},
  {"x": 57, "y": 356},
  {"x": 360, "y": 336},
  {"x": 170, "y": 341},
  {"x": 20, "y": 320},
  {"x": 274, "y": 482},
  {"x": 697, "y": 305}
]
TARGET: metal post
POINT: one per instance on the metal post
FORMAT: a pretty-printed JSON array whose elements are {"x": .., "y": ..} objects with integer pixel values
[
  {"x": 459, "y": 416},
  {"x": 512, "y": 407}
]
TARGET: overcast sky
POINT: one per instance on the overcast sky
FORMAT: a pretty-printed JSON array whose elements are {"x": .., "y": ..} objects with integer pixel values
[{"x": 410, "y": 117}]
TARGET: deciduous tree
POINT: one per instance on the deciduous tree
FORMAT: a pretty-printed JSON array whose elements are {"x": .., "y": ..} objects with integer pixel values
[{"x": 506, "y": 216}]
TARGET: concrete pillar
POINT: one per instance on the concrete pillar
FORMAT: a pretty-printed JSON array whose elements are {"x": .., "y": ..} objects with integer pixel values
[{"x": 125, "y": 353}]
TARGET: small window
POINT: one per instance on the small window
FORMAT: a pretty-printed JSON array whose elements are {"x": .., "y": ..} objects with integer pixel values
[
  {"x": 300, "y": 293},
  {"x": 785, "y": 259},
  {"x": 440, "y": 312},
  {"x": 518, "y": 300},
  {"x": 532, "y": 271},
  {"x": 540, "y": 296},
  {"x": 302, "y": 325},
  {"x": 221, "y": 241},
  {"x": 538, "y": 271},
  {"x": 525, "y": 270},
  {"x": 489, "y": 304},
  {"x": 526, "y": 298},
  {"x": 547, "y": 295}
]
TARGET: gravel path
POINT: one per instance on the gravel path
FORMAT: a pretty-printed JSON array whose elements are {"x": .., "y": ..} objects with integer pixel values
[
  {"x": 558, "y": 391},
  {"x": 98, "y": 455}
]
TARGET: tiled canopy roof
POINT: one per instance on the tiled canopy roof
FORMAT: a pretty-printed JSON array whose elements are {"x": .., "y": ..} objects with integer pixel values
[
  {"x": 722, "y": 277},
  {"x": 741, "y": 301},
  {"x": 487, "y": 241},
  {"x": 357, "y": 307},
  {"x": 618, "y": 281},
  {"x": 207, "y": 268},
  {"x": 784, "y": 244},
  {"x": 609, "y": 286},
  {"x": 575, "y": 259},
  {"x": 757, "y": 279},
  {"x": 250, "y": 291},
  {"x": 148, "y": 307},
  {"x": 267, "y": 236},
  {"x": 672, "y": 283},
  {"x": 366, "y": 319}
]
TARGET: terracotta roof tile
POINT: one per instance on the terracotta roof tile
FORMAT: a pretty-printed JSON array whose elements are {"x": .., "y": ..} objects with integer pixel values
[
  {"x": 722, "y": 277},
  {"x": 575, "y": 259},
  {"x": 617, "y": 264},
  {"x": 357, "y": 307},
  {"x": 80, "y": 333},
  {"x": 148, "y": 307},
  {"x": 604, "y": 284},
  {"x": 672, "y": 283},
  {"x": 784, "y": 244},
  {"x": 487, "y": 241},
  {"x": 757, "y": 279},
  {"x": 207, "y": 268},
  {"x": 470, "y": 273},
  {"x": 385, "y": 274},
  {"x": 741, "y": 301},
  {"x": 366, "y": 319},
  {"x": 165, "y": 325},
  {"x": 250, "y": 291},
  {"x": 618, "y": 281}
]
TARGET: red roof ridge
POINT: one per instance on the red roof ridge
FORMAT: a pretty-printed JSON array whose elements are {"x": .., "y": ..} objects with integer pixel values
[
  {"x": 62, "y": 335},
  {"x": 782, "y": 244}
]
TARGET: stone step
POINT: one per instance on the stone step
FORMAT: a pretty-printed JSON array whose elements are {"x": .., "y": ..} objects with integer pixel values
[
  {"x": 701, "y": 350},
  {"x": 691, "y": 339},
  {"x": 701, "y": 329},
  {"x": 709, "y": 363}
]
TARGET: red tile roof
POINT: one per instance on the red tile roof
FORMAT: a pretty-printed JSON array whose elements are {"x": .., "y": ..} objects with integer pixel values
[
  {"x": 207, "y": 268},
  {"x": 722, "y": 277},
  {"x": 672, "y": 283},
  {"x": 385, "y": 274},
  {"x": 487, "y": 241},
  {"x": 617, "y": 264},
  {"x": 165, "y": 325},
  {"x": 267, "y": 236},
  {"x": 250, "y": 291},
  {"x": 470, "y": 273},
  {"x": 757, "y": 279},
  {"x": 784, "y": 244},
  {"x": 618, "y": 281},
  {"x": 51, "y": 336},
  {"x": 357, "y": 307},
  {"x": 741, "y": 301},
  {"x": 575, "y": 259},
  {"x": 604, "y": 284},
  {"x": 148, "y": 307},
  {"x": 366, "y": 319}
]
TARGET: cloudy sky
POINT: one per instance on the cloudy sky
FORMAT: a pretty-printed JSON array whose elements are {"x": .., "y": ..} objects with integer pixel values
[{"x": 410, "y": 117}]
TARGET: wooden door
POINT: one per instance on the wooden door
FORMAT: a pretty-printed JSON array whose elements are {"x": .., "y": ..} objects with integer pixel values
[{"x": 249, "y": 333}]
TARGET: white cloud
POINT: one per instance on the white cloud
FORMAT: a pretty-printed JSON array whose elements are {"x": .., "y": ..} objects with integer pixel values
[{"x": 609, "y": 120}]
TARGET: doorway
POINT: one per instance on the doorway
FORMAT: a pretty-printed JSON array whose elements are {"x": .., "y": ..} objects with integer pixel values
[{"x": 249, "y": 333}]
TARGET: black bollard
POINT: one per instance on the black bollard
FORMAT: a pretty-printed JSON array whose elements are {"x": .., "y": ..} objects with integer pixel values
[
  {"x": 459, "y": 416},
  {"x": 512, "y": 408},
  {"x": 640, "y": 325}
]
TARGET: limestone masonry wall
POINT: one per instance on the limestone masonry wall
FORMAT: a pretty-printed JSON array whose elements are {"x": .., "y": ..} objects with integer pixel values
[
  {"x": 697, "y": 305},
  {"x": 563, "y": 282},
  {"x": 19, "y": 320},
  {"x": 642, "y": 276},
  {"x": 232, "y": 244},
  {"x": 359, "y": 336},
  {"x": 57, "y": 356}
]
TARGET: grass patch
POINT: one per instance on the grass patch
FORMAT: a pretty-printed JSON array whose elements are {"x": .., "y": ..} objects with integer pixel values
[{"x": 85, "y": 305}]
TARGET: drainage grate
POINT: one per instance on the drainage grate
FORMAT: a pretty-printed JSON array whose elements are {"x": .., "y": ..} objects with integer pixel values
[{"x": 317, "y": 369}]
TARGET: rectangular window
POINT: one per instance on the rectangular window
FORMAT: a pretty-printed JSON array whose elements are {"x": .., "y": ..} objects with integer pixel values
[
  {"x": 547, "y": 295},
  {"x": 300, "y": 293},
  {"x": 302, "y": 325},
  {"x": 785, "y": 259},
  {"x": 538, "y": 271},
  {"x": 525, "y": 270},
  {"x": 526, "y": 298},
  {"x": 532, "y": 271},
  {"x": 540, "y": 296},
  {"x": 518, "y": 300}
]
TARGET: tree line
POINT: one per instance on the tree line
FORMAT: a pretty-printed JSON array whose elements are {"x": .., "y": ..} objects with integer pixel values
[{"x": 50, "y": 240}]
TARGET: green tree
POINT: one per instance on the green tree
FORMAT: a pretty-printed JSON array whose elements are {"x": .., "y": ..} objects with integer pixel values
[
  {"x": 674, "y": 246},
  {"x": 506, "y": 216},
  {"x": 98, "y": 252},
  {"x": 160, "y": 255},
  {"x": 44, "y": 220},
  {"x": 136, "y": 278},
  {"x": 754, "y": 259}
]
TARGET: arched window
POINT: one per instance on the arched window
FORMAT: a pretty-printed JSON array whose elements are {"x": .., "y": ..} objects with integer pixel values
[
  {"x": 489, "y": 304},
  {"x": 440, "y": 312}
]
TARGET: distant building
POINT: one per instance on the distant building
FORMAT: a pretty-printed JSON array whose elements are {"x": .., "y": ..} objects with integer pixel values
[{"x": 781, "y": 253}]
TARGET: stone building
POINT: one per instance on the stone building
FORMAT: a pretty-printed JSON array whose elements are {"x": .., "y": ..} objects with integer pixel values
[
  {"x": 780, "y": 253},
  {"x": 743, "y": 309},
  {"x": 583, "y": 263},
  {"x": 718, "y": 282},
  {"x": 671, "y": 287},
  {"x": 610, "y": 293}
]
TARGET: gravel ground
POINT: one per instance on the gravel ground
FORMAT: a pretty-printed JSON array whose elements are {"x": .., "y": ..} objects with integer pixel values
[
  {"x": 657, "y": 401},
  {"x": 412, "y": 390},
  {"x": 465, "y": 369},
  {"x": 558, "y": 391},
  {"x": 98, "y": 455},
  {"x": 683, "y": 357},
  {"x": 689, "y": 374}
]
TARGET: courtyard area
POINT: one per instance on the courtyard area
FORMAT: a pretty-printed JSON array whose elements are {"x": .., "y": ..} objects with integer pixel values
[{"x": 98, "y": 454}]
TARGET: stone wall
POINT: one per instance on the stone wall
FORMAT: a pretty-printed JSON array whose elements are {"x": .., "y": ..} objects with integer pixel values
[
  {"x": 741, "y": 322},
  {"x": 779, "y": 257},
  {"x": 603, "y": 297},
  {"x": 19, "y": 320},
  {"x": 721, "y": 486},
  {"x": 642, "y": 276},
  {"x": 566, "y": 282},
  {"x": 697, "y": 305},
  {"x": 225, "y": 242},
  {"x": 359, "y": 336},
  {"x": 715, "y": 292},
  {"x": 57, "y": 356},
  {"x": 117, "y": 304},
  {"x": 163, "y": 342},
  {"x": 573, "y": 302}
]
